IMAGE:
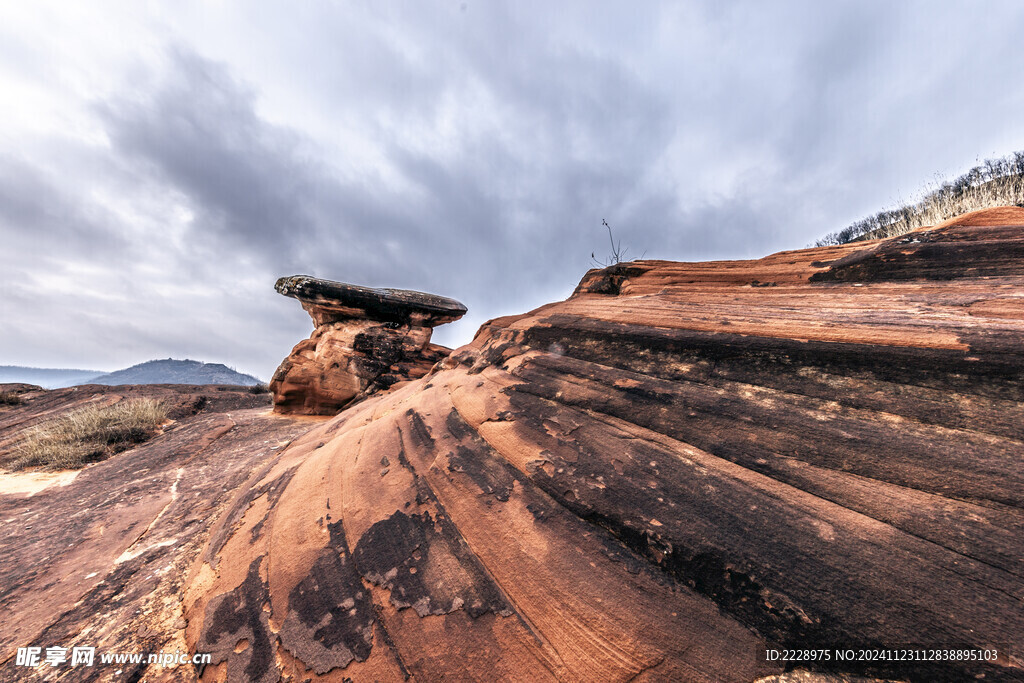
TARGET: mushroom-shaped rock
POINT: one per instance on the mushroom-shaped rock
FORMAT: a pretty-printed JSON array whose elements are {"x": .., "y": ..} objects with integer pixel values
[
  {"x": 366, "y": 340},
  {"x": 328, "y": 301}
]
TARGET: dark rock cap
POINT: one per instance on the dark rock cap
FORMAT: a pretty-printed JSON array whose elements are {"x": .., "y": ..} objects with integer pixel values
[{"x": 328, "y": 300}]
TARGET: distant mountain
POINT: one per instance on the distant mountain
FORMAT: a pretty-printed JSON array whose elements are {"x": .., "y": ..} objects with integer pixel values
[
  {"x": 48, "y": 378},
  {"x": 172, "y": 371},
  {"x": 167, "y": 371}
]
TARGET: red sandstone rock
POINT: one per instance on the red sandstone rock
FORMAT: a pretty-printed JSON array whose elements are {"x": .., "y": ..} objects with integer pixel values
[
  {"x": 366, "y": 340},
  {"x": 98, "y": 559},
  {"x": 677, "y": 467}
]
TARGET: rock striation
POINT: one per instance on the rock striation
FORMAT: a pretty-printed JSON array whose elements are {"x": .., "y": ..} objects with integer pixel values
[
  {"x": 98, "y": 557},
  {"x": 365, "y": 340},
  {"x": 677, "y": 467}
]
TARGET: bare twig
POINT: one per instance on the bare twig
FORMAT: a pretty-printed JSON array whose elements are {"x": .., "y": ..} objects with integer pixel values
[{"x": 618, "y": 254}]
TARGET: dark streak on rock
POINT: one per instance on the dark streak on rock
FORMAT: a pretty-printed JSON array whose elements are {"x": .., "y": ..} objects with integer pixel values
[
  {"x": 475, "y": 459},
  {"x": 389, "y": 641},
  {"x": 940, "y": 255},
  {"x": 493, "y": 480},
  {"x": 238, "y": 615},
  {"x": 404, "y": 553},
  {"x": 743, "y": 430},
  {"x": 659, "y": 351},
  {"x": 272, "y": 489},
  {"x": 420, "y": 433},
  {"x": 257, "y": 530},
  {"x": 331, "y": 616}
]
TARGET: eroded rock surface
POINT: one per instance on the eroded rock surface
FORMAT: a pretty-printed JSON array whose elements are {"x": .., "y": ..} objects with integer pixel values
[
  {"x": 99, "y": 559},
  {"x": 656, "y": 479},
  {"x": 365, "y": 340},
  {"x": 678, "y": 466}
]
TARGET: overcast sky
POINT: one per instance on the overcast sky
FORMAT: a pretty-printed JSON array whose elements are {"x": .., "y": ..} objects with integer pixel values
[{"x": 162, "y": 164}]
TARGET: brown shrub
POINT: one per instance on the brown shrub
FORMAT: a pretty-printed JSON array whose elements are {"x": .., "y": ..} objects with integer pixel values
[
  {"x": 88, "y": 435},
  {"x": 10, "y": 398}
]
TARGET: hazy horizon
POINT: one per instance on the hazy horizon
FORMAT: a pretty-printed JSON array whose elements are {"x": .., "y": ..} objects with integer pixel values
[
  {"x": 156, "y": 370},
  {"x": 162, "y": 166},
  {"x": 125, "y": 367}
]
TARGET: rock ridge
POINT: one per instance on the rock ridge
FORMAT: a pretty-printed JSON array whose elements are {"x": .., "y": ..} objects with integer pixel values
[{"x": 677, "y": 467}]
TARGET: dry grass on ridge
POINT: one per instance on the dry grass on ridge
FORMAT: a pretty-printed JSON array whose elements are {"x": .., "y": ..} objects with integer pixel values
[
  {"x": 87, "y": 435},
  {"x": 995, "y": 182}
]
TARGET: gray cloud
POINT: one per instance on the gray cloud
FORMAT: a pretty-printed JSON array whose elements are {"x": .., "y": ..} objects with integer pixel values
[
  {"x": 469, "y": 151},
  {"x": 196, "y": 133}
]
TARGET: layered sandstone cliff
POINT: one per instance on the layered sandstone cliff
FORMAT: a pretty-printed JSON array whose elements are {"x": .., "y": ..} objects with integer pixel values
[
  {"x": 677, "y": 467},
  {"x": 656, "y": 479}
]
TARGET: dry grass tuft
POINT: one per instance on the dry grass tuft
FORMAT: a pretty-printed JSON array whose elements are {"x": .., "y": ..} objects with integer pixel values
[
  {"x": 996, "y": 182},
  {"x": 88, "y": 435},
  {"x": 10, "y": 398}
]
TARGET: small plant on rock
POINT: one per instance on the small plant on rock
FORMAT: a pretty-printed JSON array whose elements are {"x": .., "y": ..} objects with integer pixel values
[{"x": 618, "y": 254}]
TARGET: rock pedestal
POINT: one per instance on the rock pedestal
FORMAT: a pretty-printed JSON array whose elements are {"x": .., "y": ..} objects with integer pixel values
[{"x": 366, "y": 340}]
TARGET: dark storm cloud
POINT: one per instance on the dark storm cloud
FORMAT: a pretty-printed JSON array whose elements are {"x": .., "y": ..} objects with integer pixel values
[
  {"x": 197, "y": 132},
  {"x": 497, "y": 222},
  {"x": 468, "y": 149},
  {"x": 265, "y": 187}
]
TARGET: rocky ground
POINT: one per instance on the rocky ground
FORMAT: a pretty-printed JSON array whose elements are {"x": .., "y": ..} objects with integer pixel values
[
  {"x": 97, "y": 558},
  {"x": 677, "y": 468}
]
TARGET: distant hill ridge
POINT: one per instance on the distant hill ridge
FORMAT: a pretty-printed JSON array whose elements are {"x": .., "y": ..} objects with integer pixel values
[
  {"x": 172, "y": 371},
  {"x": 167, "y": 371},
  {"x": 48, "y": 378}
]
